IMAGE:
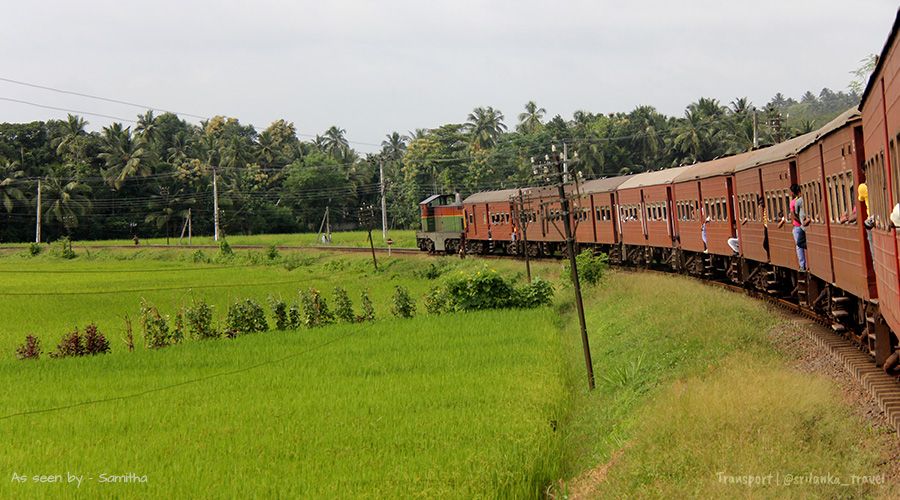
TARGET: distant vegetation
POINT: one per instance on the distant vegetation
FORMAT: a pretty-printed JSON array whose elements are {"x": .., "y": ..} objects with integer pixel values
[{"x": 144, "y": 178}]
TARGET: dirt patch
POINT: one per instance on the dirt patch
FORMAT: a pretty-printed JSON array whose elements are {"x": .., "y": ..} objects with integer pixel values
[
  {"x": 585, "y": 485},
  {"x": 806, "y": 356}
]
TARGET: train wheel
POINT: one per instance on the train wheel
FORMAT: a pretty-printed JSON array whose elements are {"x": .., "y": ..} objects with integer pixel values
[{"x": 534, "y": 250}]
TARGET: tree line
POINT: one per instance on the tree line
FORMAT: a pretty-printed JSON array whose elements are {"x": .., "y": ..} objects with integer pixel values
[{"x": 145, "y": 178}]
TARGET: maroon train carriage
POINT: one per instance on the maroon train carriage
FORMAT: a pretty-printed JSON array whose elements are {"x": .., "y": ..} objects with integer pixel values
[
  {"x": 490, "y": 224},
  {"x": 647, "y": 231},
  {"x": 880, "y": 109},
  {"x": 706, "y": 190},
  {"x": 602, "y": 231}
]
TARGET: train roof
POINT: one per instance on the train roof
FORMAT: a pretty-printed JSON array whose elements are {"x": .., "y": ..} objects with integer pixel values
[
  {"x": 847, "y": 117},
  {"x": 777, "y": 152},
  {"x": 719, "y": 166},
  {"x": 491, "y": 196},
  {"x": 604, "y": 185},
  {"x": 881, "y": 58},
  {"x": 653, "y": 178}
]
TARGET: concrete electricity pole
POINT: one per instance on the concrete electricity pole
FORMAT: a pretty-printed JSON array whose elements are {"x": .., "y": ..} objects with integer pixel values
[
  {"x": 215, "y": 206},
  {"x": 554, "y": 171},
  {"x": 383, "y": 202},
  {"x": 37, "y": 226}
]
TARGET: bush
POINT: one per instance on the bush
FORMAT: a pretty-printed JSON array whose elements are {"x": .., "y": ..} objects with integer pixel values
[
  {"x": 199, "y": 257},
  {"x": 178, "y": 327},
  {"x": 367, "y": 308},
  {"x": 34, "y": 249},
  {"x": 94, "y": 341},
  {"x": 155, "y": 326},
  {"x": 199, "y": 316},
  {"x": 433, "y": 271},
  {"x": 590, "y": 267},
  {"x": 315, "y": 309},
  {"x": 63, "y": 248},
  {"x": 343, "y": 307},
  {"x": 31, "y": 349},
  {"x": 71, "y": 345},
  {"x": 245, "y": 316},
  {"x": 280, "y": 313},
  {"x": 483, "y": 290},
  {"x": 535, "y": 294},
  {"x": 225, "y": 249},
  {"x": 294, "y": 317},
  {"x": 437, "y": 300},
  {"x": 272, "y": 252},
  {"x": 403, "y": 306}
]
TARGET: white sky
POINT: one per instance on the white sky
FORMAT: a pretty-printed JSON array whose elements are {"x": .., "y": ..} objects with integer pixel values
[{"x": 375, "y": 67}]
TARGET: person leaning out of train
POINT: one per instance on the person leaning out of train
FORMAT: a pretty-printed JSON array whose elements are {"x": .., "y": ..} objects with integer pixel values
[
  {"x": 799, "y": 221},
  {"x": 848, "y": 218},
  {"x": 863, "y": 195}
]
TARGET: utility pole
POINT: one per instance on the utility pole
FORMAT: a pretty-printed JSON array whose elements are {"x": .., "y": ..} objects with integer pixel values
[
  {"x": 755, "y": 130},
  {"x": 383, "y": 202},
  {"x": 37, "y": 226},
  {"x": 565, "y": 163},
  {"x": 523, "y": 223},
  {"x": 190, "y": 229},
  {"x": 215, "y": 206},
  {"x": 553, "y": 171}
]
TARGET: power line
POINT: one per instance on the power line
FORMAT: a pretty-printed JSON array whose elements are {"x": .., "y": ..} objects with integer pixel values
[{"x": 45, "y": 106}]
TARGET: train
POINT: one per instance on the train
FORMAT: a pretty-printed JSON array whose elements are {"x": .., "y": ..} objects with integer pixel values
[{"x": 728, "y": 219}]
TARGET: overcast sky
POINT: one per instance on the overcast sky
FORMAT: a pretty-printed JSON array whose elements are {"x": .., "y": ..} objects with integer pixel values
[{"x": 375, "y": 67}]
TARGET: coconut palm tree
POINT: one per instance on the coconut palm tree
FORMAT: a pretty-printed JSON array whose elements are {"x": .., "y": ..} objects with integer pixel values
[
  {"x": 485, "y": 125},
  {"x": 335, "y": 143},
  {"x": 123, "y": 155},
  {"x": 67, "y": 144},
  {"x": 394, "y": 146},
  {"x": 10, "y": 173},
  {"x": 146, "y": 127},
  {"x": 168, "y": 205},
  {"x": 64, "y": 201},
  {"x": 418, "y": 133},
  {"x": 690, "y": 135},
  {"x": 530, "y": 119}
]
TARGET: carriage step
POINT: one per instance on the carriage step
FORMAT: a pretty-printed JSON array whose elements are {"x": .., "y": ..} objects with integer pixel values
[
  {"x": 870, "y": 319},
  {"x": 840, "y": 314},
  {"x": 838, "y": 328},
  {"x": 840, "y": 300}
]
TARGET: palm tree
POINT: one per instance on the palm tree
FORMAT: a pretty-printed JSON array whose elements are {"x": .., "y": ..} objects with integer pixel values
[
  {"x": 9, "y": 193},
  {"x": 394, "y": 146},
  {"x": 67, "y": 143},
  {"x": 648, "y": 142},
  {"x": 741, "y": 106},
  {"x": 690, "y": 135},
  {"x": 485, "y": 125},
  {"x": 335, "y": 143},
  {"x": 418, "y": 133},
  {"x": 146, "y": 127},
  {"x": 530, "y": 120},
  {"x": 167, "y": 206},
  {"x": 65, "y": 200},
  {"x": 122, "y": 155}
]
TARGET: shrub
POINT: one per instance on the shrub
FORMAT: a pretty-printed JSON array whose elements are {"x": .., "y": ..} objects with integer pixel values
[
  {"x": 403, "y": 306},
  {"x": 178, "y": 327},
  {"x": 31, "y": 349},
  {"x": 71, "y": 344},
  {"x": 433, "y": 271},
  {"x": 280, "y": 313},
  {"x": 63, "y": 248},
  {"x": 245, "y": 316},
  {"x": 294, "y": 316},
  {"x": 34, "y": 249},
  {"x": 590, "y": 267},
  {"x": 155, "y": 326},
  {"x": 535, "y": 294},
  {"x": 199, "y": 257},
  {"x": 343, "y": 307},
  {"x": 225, "y": 249},
  {"x": 367, "y": 308},
  {"x": 199, "y": 316},
  {"x": 272, "y": 252},
  {"x": 94, "y": 341},
  {"x": 483, "y": 290},
  {"x": 437, "y": 301},
  {"x": 315, "y": 309}
]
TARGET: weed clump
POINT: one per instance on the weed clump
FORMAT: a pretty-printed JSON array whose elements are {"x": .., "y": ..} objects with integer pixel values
[
  {"x": 245, "y": 316},
  {"x": 315, "y": 309},
  {"x": 343, "y": 307},
  {"x": 34, "y": 249},
  {"x": 403, "y": 305},
  {"x": 155, "y": 326},
  {"x": 590, "y": 267},
  {"x": 199, "y": 316},
  {"x": 31, "y": 349},
  {"x": 368, "y": 308},
  {"x": 94, "y": 341}
]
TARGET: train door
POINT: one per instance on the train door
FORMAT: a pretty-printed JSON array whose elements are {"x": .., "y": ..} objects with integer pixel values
[
  {"x": 729, "y": 189},
  {"x": 643, "y": 210}
]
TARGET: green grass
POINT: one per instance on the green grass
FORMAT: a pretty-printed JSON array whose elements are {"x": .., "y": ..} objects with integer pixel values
[
  {"x": 688, "y": 385},
  {"x": 461, "y": 405},
  {"x": 402, "y": 239},
  {"x": 398, "y": 408}
]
